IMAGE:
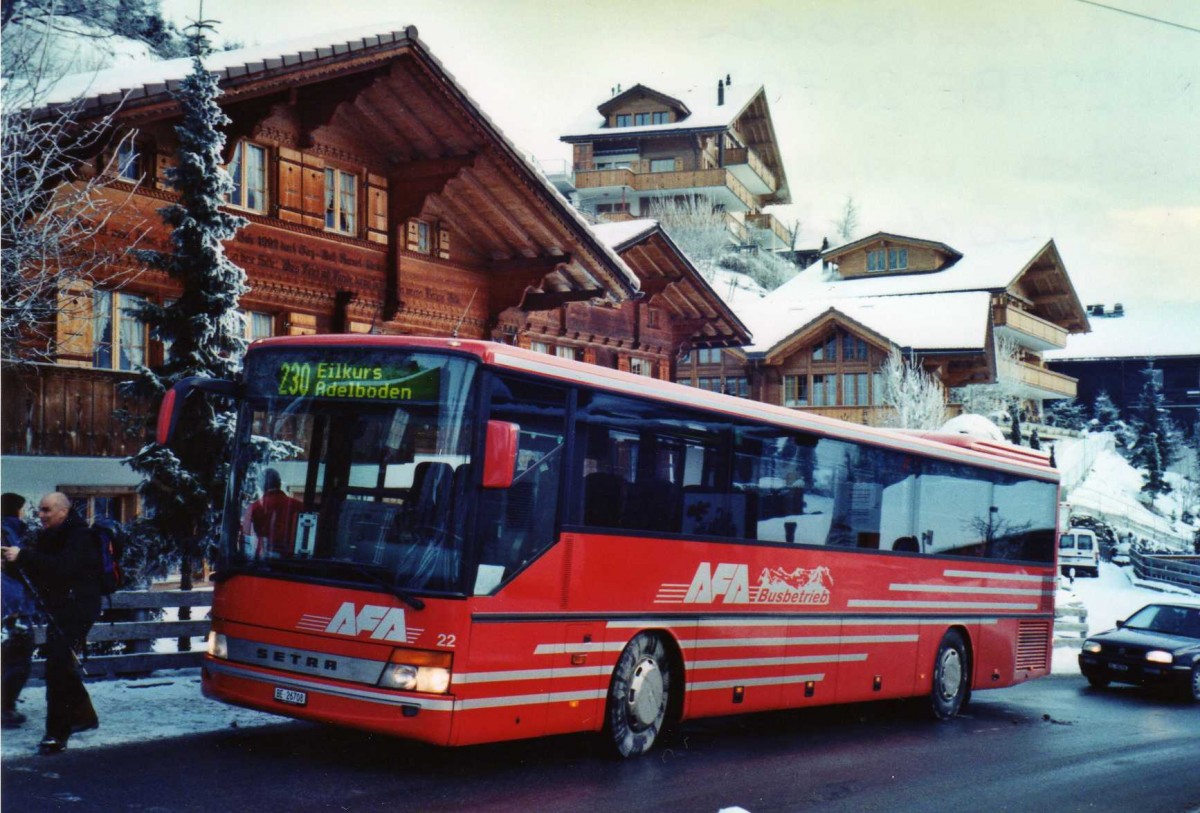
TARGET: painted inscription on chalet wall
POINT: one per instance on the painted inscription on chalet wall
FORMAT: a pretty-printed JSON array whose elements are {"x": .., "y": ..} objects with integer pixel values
[{"x": 274, "y": 252}]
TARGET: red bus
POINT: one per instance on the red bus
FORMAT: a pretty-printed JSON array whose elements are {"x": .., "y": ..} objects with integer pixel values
[{"x": 479, "y": 543}]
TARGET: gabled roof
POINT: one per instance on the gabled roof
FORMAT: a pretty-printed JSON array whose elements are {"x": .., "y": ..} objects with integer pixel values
[
  {"x": 943, "y": 322},
  {"x": 615, "y": 102},
  {"x": 706, "y": 114},
  {"x": 665, "y": 273},
  {"x": 1148, "y": 330},
  {"x": 833, "y": 254},
  {"x": 470, "y": 154}
]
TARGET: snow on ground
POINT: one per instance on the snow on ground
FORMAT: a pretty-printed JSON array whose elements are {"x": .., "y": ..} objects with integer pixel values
[{"x": 169, "y": 704}]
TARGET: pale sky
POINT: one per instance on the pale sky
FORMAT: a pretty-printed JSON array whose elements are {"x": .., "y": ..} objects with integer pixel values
[{"x": 961, "y": 121}]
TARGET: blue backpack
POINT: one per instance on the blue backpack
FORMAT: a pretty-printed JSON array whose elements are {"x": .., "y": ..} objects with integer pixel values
[{"x": 110, "y": 538}]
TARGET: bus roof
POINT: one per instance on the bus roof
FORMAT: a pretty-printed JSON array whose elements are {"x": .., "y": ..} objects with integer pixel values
[{"x": 962, "y": 448}]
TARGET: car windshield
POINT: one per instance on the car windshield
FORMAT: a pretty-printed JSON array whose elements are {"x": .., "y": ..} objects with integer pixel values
[
  {"x": 354, "y": 464},
  {"x": 1167, "y": 619}
]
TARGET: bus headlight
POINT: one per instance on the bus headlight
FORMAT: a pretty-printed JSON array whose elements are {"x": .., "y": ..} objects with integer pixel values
[
  {"x": 1091, "y": 646},
  {"x": 218, "y": 647},
  {"x": 1159, "y": 656},
  {"x": 414, "y": 670}
]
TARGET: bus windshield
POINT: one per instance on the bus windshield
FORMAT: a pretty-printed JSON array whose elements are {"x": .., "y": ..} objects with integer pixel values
[{"x": 353, "y": 464}]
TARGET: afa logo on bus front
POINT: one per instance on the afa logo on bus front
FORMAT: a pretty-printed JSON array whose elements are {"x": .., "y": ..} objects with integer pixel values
[{"x": 730, "y": 583}]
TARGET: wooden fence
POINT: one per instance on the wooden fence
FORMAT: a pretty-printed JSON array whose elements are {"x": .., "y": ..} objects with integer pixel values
[{"x": 139, "y": 659}]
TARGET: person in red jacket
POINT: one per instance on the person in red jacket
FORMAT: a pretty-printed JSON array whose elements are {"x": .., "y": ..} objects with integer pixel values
[
  {"x": 64, "y": 568},
  {"x": 273, "y": 517}
]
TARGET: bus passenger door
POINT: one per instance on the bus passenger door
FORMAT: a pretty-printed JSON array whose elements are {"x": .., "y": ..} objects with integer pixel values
[{"x": 580, "y": 681}]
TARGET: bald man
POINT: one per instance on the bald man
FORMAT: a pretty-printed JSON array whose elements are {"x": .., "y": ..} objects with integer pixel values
[{"x": 64, "y": 567}]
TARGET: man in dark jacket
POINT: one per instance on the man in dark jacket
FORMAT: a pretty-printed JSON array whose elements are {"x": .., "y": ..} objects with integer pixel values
[{"x": 64, "y": 567}]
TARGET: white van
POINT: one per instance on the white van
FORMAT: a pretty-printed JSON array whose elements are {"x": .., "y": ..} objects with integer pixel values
[{"x": 1078, "y": 548}]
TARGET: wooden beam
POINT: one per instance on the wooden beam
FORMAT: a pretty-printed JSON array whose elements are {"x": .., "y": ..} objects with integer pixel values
[{"x": 500, "y": 214}]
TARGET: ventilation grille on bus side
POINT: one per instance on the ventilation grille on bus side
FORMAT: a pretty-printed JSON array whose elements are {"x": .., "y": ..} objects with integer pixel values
[{"x": 1033, "y": 639}]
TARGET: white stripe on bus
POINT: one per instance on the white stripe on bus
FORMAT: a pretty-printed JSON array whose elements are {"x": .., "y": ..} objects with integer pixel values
[
  {"x": 768, "y": 681},
  {"x": 733, "y": 663},
  {"x": 530, "y": 674},
  {"x": 528, "y": 699},
  {"x": 983, "y": 574},
  {"x": 828, "y": 640},
  {"x": 945, "y": 588},
  {"x": 939, "y": 605}
]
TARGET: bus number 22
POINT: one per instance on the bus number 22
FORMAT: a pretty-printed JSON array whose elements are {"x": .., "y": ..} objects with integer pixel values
[{"x": 445, "y": 640}]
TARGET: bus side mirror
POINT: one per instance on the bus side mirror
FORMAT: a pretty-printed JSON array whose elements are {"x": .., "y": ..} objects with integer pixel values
[
  {"x": 500, "y": 454},
  {"x": 172, "y": 402}
]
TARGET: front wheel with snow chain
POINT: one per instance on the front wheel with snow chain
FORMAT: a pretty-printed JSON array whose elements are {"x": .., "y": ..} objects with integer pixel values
[
  {"x": 951, "y": 676},
  {"x": 639, "y": 695}
]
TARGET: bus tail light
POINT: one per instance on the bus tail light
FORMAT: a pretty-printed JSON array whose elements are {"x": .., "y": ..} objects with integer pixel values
[
  {"x": 218, "y": 647},
  {"x": 417, "y": 670}
]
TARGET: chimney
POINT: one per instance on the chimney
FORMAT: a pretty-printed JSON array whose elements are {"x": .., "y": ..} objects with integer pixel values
[
  {"x": 1118, "y": 309},
  {"x": 728, "y": 80},
  {"x": 720, "y": 93}
]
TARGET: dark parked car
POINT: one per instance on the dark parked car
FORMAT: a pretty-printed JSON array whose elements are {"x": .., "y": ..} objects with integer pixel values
[{"x": 1159, "y": 645}]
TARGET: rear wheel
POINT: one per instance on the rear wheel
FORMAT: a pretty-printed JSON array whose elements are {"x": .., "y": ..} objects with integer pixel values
[
  {"x": 951, "y": 676},
  {"x": 639, "y": 695},
  {"x": 1196, "y": 683}
]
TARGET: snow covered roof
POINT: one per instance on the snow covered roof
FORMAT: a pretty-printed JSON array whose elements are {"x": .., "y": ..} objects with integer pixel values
[
  {"x": 141, "y": 78},
  {"x": 616, "y": 235},
  {"x": 928, "y": 322},
  {"x": 990, "y": 267},
  {"x": 1147, "y": 330},
  {"x": 702, "y": 101}
]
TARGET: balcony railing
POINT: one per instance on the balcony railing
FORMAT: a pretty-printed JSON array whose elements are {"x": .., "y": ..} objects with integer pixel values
[
  {"x": 1032, "y": 331},
  {"x": 698, "y": 180},
  {"x": 746, "y": 157},
  {"x": 1045, "y": 383},
  {"x": 763, "y": 220},
  {"x": 52, "y": 410}
]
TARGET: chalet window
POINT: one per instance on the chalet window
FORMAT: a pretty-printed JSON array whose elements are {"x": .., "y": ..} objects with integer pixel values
[
  {"x": 567, "y": 353},
  {"x": 854, "y": 389},
  {"x": 119, "y": 337},
  {"x": 641, "y": 367},
  {"x": 641, "y": 119},
  {"x": 624, "y": 120},
  {"x": 795, "y": 390},
  {"x": 685, "y": 357},
  {"x": 257, "y": 325},
  {"x": 710, "y": 384},
  {"x": 248, "y": 169},
  {"x": 824, "y": 390},
  {"x": 612, "y": 208},
  {"x": 540, "y": 347},
  {"x": 876, "y": 259},
  {"x": 897, "y": 259},
  {"x": 710, "y": 355},
  {"x": 130, "y": 165},
  {"x": 419, "y": 239},
  {"x": 876, "y": 389},
  {"x": 652, "y": 319},
  {"x": 827, "y": 350},
  {"x": 341, "y": 201},
  {"x": 738, "y": 386},
  {"x": 660, "y": 117},
  {"x": 662, "y": 165},
  {"x": 853, "y": 349}
]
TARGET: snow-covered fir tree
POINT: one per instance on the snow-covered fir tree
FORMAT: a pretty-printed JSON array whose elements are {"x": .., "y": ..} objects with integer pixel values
[
  {"x": 184, "y": 483},
  {"x": 1106, "y": 417},
  {"x": 1066, "y": 413},
  {"x": 917, "y": 399},
  {"x": 1014, "y": 425},
  {"x": 1156, "y": 441}
]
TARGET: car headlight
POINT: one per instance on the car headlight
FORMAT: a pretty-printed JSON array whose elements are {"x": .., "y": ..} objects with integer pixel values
[
  {"x": 1092, "y": 646},
  {"x": 218, "y": 647},
  {"x": 1159, "y": 656},
  {"x": 414, "y": 670}
]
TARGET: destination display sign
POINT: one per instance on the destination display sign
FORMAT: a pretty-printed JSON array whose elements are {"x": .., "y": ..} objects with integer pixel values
[{"x": 301, "y": 378}]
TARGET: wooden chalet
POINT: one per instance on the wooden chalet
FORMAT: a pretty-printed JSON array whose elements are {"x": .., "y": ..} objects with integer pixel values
[
  {"x": 643, "y": 146},
  {"x": 380, "y": 198},
  {"x": 822, "y": 338},
  {"x": 677, "y": 309}
]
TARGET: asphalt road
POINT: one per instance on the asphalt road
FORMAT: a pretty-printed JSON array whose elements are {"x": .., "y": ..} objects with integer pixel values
[{"x": 1053, "y": 745}]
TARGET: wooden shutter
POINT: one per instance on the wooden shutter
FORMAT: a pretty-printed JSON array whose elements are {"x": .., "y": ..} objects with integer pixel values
[
  {"x": 359, "y": 327},
  {"x": 291, "y": 185},
  {"x": 377, "y": 209},
  {"x": 313, "y": 192},
  {"x": 623, "y": 364},
  {"x": 413, "y": 242},
  {"x": 664, "y": 370},
  {"x": 589, "y": 355},
  {"x": 301, "y": 324},
  {"x": 443, "y": 249},
  {"x": 162, "y": 162},
  {"x": 74, "y": 325}
]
